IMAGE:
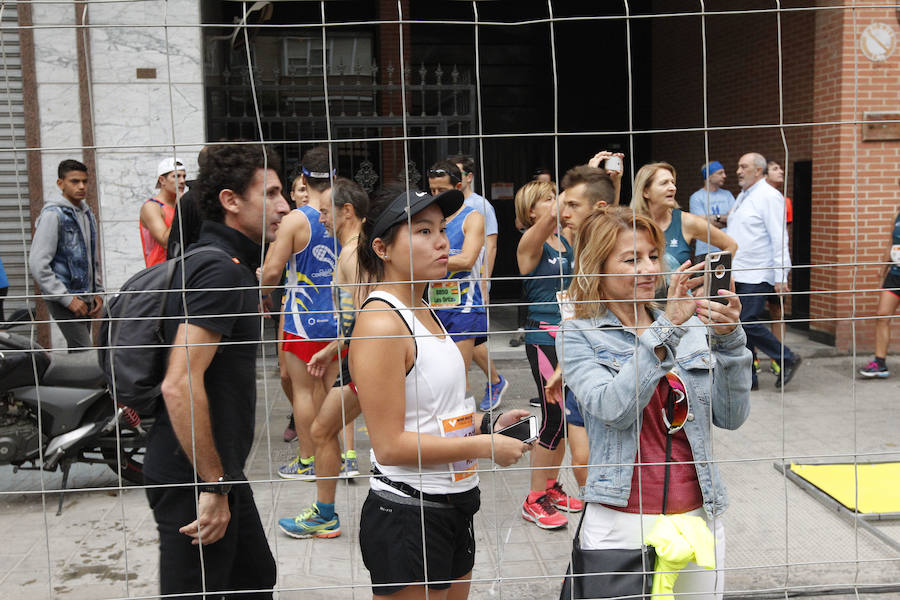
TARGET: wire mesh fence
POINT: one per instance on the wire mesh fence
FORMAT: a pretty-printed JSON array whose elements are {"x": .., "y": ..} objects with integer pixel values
[{"x": 391, "y": 89}]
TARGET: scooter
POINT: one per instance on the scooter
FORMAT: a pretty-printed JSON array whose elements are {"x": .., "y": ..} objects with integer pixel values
[{"x": 55, "y": 411}]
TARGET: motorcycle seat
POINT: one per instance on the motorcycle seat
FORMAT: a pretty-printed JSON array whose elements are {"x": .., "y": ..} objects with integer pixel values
[{"x": 77, "y": 369}]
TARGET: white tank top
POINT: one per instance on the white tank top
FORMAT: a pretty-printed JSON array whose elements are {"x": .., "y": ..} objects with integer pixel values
[{"x": 435, "y": 405}]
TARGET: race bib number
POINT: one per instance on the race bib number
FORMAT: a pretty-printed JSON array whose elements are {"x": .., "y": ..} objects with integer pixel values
[
  {"x": 895, "y": 254},
  {"x": 456, "y": 426},
  {"x": 566, "y": 306},
  {"x": 444, "y": 294}
]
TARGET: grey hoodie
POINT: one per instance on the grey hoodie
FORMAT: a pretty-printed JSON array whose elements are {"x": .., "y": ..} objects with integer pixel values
[{"x": 43, "y": 249}]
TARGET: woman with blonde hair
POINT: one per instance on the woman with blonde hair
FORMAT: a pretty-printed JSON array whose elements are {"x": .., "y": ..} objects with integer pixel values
[
  {"x": 650, "y": 386},
  {"x": 545, "y": 262},
  {"x": 654, "y": 197}
]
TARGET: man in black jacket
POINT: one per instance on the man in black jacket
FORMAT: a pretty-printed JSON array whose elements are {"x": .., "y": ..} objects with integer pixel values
[{"x": 204, "y": 435}]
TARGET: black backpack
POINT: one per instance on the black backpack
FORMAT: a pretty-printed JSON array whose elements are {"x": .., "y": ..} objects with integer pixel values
[{"x": 133, "y": 349}]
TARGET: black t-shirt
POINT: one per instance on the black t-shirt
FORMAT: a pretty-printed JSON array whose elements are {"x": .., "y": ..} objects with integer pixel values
[{"x": 230, "y": 380}]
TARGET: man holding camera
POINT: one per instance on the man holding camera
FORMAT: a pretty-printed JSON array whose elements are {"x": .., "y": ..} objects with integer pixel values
[{"x": 761, "y": 267}]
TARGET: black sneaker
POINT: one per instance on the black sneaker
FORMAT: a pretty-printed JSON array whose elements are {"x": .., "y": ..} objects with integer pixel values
[
  {"x": 787, "y": 372},
  {"x": 535, "y": 402}
]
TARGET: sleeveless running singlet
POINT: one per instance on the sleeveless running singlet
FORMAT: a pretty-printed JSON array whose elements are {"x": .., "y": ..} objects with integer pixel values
[
  {"x": 677, "y": 248},
  {"x": 540, "y": 289},
  {"x": 435, "y": 405},
  {"x": 309, "y": 303},
  {"x": 469, "y": 290},
  {"x": 153, "y": 252}
]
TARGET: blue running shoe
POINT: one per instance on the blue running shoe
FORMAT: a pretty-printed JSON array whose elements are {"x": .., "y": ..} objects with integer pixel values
[
  {"x": 310, "y": 524},
  {"x": 349, "y": 467},
  {"x": 297, "y": 470},
  {"x": 493, "y": 392},
  {"x": 873, "y": 370}
]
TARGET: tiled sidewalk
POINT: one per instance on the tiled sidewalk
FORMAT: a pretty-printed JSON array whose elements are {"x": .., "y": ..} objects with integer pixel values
[{"x": 104, "y": 544}]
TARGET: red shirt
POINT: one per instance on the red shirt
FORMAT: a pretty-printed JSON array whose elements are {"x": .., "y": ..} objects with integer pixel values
[{"x": 684, "y": 488}]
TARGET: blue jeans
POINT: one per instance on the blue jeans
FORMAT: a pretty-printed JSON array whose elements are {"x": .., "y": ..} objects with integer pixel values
[{"x": 753, "y": 310}]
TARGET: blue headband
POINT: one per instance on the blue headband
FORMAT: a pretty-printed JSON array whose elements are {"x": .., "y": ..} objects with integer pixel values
[
  {"x": 316, "y": 174},
  {"x": 711, "y": 168}
]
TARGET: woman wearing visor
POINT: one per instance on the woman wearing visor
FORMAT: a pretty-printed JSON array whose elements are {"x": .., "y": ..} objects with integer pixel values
[
  {"x": 650, "y": 382},
  {"x": 411, "y": 381}
]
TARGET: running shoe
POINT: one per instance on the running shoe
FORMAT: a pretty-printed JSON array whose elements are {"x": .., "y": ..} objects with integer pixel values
[
  {"x": 542, "y": 513},
  {"x": 310, "y": 524},
  {"x": 756, "y": 366},
  {"x": 563, "y": 501},
  {"x": 493, "y": 392},
  {"x": 774, "y": 368},
  {"x": 297, "y": 470},
  {"x": 535, "y": 402},
  {"x": 290, "y": 432},
  {"x": 873, "y": 369},
  {"x": 350, "y": 467}
]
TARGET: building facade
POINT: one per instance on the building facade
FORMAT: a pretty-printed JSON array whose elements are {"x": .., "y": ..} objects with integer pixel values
[{"x": 120, "y": 86}]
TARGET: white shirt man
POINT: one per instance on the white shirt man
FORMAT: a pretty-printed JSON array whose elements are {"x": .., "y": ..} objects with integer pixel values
[
  {"x": 712, "y": 202},
  {"x": 761, "y": 266},
  {"x": 757, "y": 224}
]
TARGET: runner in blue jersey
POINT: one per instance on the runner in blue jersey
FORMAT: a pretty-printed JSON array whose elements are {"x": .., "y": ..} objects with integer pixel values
[
  {"x": 496, "y": 384},
  {"x": 888, "y": 300},
  {"x": 344, "y": 216},
  {"x": 457, "y": 299},
  {"x": 310, "y": 347}
]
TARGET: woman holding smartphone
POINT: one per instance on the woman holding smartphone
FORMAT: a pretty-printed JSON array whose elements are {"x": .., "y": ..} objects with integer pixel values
[
  {"x": 654, "y": 197},
  {"x": 650, "y": 387},
  {"x": 426, "y": 438}
]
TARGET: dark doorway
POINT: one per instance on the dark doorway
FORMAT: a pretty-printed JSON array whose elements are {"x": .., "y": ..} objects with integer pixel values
[{"x": 801, "y": 242}]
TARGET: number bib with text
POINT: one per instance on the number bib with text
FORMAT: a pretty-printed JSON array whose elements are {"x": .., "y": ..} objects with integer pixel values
[
  {"x": 454, "y": 426},
  {"x": 444, "y": 294}
]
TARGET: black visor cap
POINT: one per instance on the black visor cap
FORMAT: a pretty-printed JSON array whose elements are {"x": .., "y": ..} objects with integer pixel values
[{"x": 449, "y": 202}]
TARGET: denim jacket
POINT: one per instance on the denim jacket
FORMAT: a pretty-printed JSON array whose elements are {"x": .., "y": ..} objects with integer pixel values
[
  {"x": 602, "y": 363},
  {"x": 72, "y": 255}
]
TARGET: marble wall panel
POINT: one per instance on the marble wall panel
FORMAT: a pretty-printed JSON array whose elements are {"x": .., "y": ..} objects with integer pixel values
[
  {"x": 119, "y": 51},
  {"x": 127, "y": 37},
  {"x": 121, "y": 115},
  {"x": 122, "y": 255},
  {"x": 136, "y": 122},
  {"x": 55, "y": 58},
  {"x": 183, "y": 113},
  {"x": 59, "y": 111}
]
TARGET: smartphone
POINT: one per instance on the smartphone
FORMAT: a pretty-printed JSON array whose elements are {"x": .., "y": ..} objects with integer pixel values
[
  {"x": 613, "y": 163},
  {"x": 718, "y": 275},
  {"x": 525, "y": 430}
]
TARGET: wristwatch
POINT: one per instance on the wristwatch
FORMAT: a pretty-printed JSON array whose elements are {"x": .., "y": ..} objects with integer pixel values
[{"x": 222, "y": 486}]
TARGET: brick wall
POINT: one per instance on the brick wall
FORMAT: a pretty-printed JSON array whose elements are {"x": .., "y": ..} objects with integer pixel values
[
  {"x": 825, "y": 79},
  {"x": 742, "y": 81},
  {"x": 855, "y": 187}
]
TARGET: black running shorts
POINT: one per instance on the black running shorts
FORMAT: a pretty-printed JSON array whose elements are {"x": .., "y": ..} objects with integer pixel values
[
  {"x": 892, "y": 284},
  {"x": 390, "y": 538}
]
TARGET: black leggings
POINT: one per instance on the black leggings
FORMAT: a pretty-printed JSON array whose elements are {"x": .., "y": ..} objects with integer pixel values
[{"x": 552, "y": 424}]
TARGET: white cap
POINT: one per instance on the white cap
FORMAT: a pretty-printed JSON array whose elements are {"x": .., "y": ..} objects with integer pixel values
[{"x": 167, "y": 165}]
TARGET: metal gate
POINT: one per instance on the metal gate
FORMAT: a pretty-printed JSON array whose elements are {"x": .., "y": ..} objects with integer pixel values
[
  {"x": 364, "y": 118},
  {"x": 15, "y": 220}
]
